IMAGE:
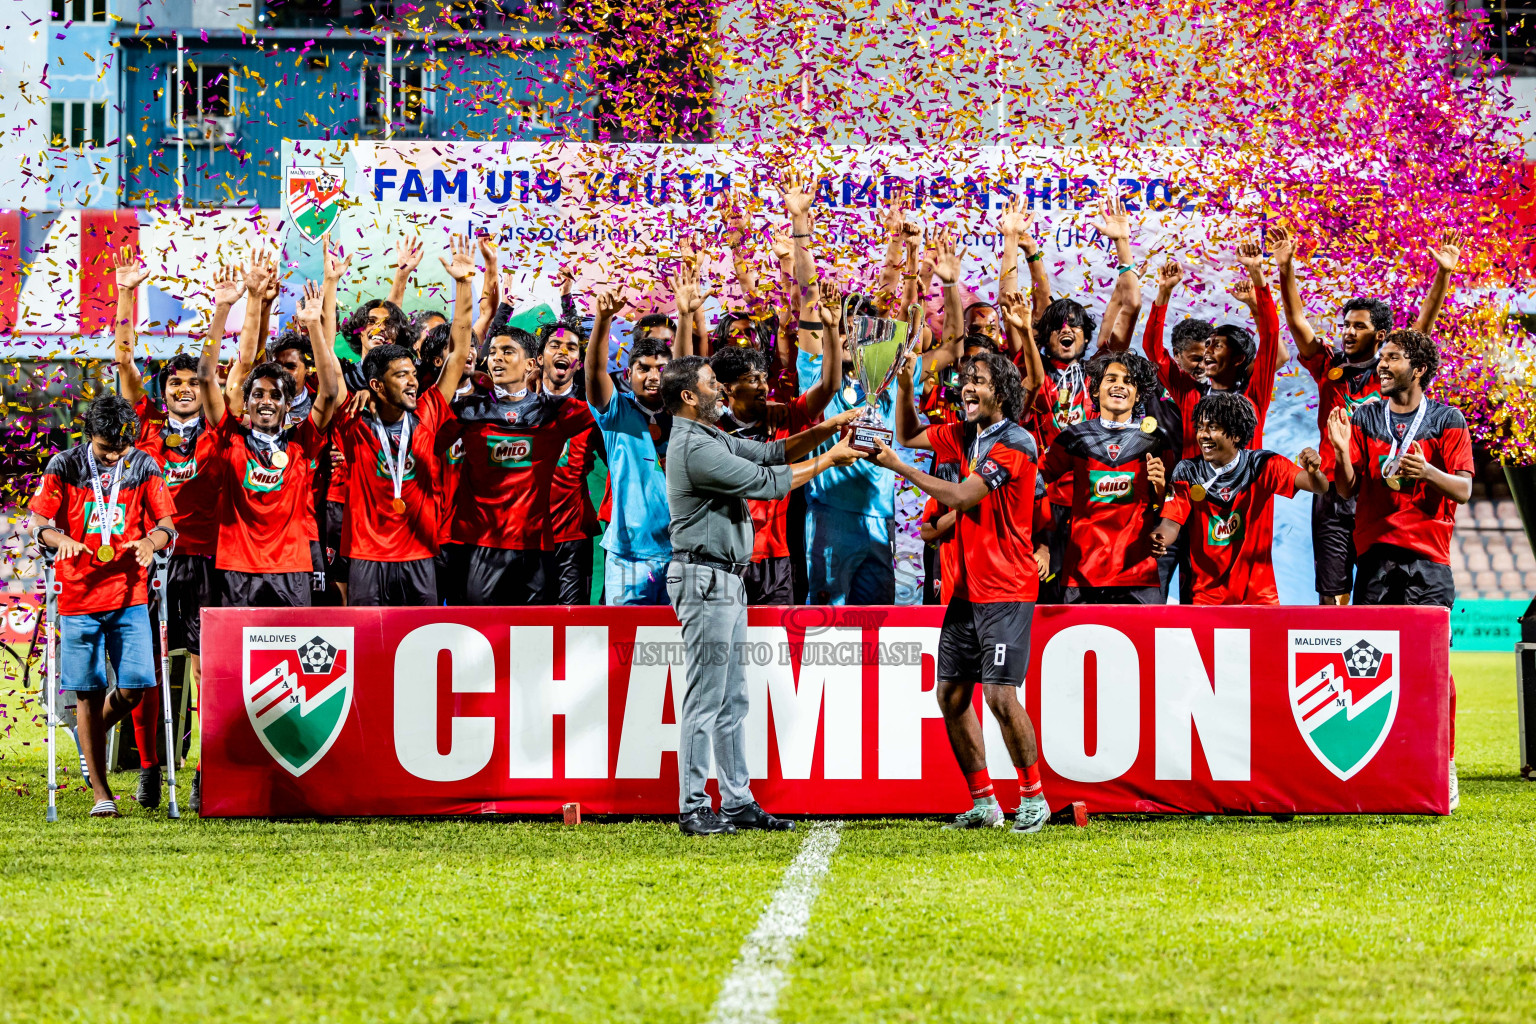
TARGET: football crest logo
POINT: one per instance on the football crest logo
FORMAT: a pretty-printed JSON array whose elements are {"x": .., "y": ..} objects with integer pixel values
[
  {"x": 1344, "y": 693},
  {"x": 314, "y": 199},
  {"x": 298, "y": 691}
]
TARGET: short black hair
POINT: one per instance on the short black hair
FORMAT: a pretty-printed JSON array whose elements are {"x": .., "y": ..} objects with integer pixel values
[
  {"x": 271, "y": 371},
  {"x": 1241, "y": 339},
  {"x": 434, "y": 346},
  {"x": 652, "y": 320},
  {"x": 565, "y": 323},
  {"x": 1230, "y": 412},
  {"x": 1380, "y": 312},
  {"x": 759, "y": 333},
  {"x": 1190, "y": 330},
  {"x": 681, "y": 374},
  {"x": 179, "y": 361},
  {"x": 980, "y": 341},
  {"x": 1138, "y": 368},
  {"x": 352, "y": 328},
  {"x": 1007, "y": 387},
  {"x": 1066, "y": 313},
  {"x": 733, "y": 363},
  {"x": 1419, "y": 350},
  {"x": 376, "y": 363},
  {"x": 530, "y": 345},
  {"x": 292, "y": 339},
  {"x": 112, "y": 419},
  {"x": 642, "y": 347},
  {"x": 965, "y": 314},
  {"x": 419, "y": 317}
]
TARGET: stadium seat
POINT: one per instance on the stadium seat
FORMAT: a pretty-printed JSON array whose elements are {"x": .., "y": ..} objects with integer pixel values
[
  {"x": 1477, "y": 561},
  {"x": 1486, "y": 581},
  {"x": 1509, "y": 581},
  {"x": 1501, "y": 560}
]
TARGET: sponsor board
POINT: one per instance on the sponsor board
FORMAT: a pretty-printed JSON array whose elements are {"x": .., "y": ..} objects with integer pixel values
[{"x": 500, "y": 710}]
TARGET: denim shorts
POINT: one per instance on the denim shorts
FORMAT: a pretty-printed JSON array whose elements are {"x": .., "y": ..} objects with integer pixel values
[{"x": 87, "y": 641}]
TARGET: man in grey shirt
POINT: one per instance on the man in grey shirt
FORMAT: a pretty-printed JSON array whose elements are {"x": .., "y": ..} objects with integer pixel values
[{"x": 710, "y": 476}]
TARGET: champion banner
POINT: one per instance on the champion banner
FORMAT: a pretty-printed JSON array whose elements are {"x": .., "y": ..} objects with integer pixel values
[{"x": 499, "y": 710}]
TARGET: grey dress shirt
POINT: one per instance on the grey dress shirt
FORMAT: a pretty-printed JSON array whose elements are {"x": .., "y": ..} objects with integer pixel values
[{"x": 710, "y": 476}]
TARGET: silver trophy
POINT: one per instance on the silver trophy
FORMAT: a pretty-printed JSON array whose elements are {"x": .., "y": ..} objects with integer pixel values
[{"x": 879, "y": 347}]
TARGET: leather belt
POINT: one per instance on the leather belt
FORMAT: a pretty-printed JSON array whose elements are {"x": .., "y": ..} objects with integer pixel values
[{"x": 690, "y": 558}]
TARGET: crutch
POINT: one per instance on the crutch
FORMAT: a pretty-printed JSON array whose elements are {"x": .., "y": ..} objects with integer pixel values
[
  {"x": 51, "y": 588},
  {"x": 159, "y": 584}
]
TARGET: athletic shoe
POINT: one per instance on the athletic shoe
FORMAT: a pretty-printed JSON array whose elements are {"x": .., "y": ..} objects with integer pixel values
[
  {"x": 754, "y": 817},
  {"x": 704, "y": 822},
  {"x": 148, "y": 794},
  {"x": 195, "y": 804},
  {"x": 1455, "y": 788},
  {"x": 1034, "y": 812},
  {"x": 105, "y": 809},
  {"x": 986, "y": 814}
]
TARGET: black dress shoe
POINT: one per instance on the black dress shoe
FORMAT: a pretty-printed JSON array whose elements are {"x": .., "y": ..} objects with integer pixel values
[
  {"x": 148, "y": 794},
  {"x": 704, "y": 822},
  {"x": 753, "y": 816}
]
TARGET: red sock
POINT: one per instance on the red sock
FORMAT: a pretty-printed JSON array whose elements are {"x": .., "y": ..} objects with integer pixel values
[
  {"x": 1453, "y": 718},
  {"x": 146, "y": 719},
  {"x": 980, "y": 783},
  {"x": 1029, "y": 781}
]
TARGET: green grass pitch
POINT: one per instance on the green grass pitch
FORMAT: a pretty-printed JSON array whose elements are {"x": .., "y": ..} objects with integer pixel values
[{"x": 1240, "y": 919}]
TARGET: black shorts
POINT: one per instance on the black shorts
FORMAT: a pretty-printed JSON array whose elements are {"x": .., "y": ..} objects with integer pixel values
[
  {"x": 1393, "y": 575},
  {"x": 500, "y": 576},
  {"x": 336, "y": 563},
  {"x": 1053, "y": 589},
  {"x": 194, "y": 584},
  {"x": 267, "y": 589},
  {"x": 770, "y": 581},
  {"x": 567, "y": 571},
  {"x": 985, "y": 643},
  {"x": 1113, "y": 595},
  {"x": 1333, "y": 543},
  {"x": 452, "y": 565},
  {"x": 393, "y": 584}
]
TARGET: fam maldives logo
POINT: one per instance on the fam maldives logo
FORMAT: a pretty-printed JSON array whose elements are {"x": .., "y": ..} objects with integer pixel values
[
  {"x": 314, "y": 198},
  {"x": 1344, "y": 693},
  {"x": 298, "y": 690}
]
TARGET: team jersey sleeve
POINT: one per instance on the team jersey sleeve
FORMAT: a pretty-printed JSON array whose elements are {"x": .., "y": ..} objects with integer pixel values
[
  {"x": 227, "y": 428},
  {"x": 158, "y": 502},
  {"x": 946, "y": 448},
  {"x": 310, "y": 438},
  {"x": 932, "y": 511},
  {"x": 1057, "y": 461},
  {"x": 1316, "y": 364},
  {"x": 1280, "y": 476},
  {"x": 1359, "y": 452},
  {"x": 49, "y": 497},
  {"x": 1261, "y": 382},
  {"x": 807, "y": 369},
  {"x": 1456, "y": 445},
  {"x": 1000, "y": 465},
  {"x": 575, "y": 417},
  {"x": 1177, "y": 507},
  {"x": 1168, "y": 370},
  {"x": 432, "y": 410}
]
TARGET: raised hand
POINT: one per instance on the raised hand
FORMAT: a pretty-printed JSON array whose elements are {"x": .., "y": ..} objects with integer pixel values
[
  {"x": 1448, "y": 253},
  {"x": 737, "y": 224},
  {"x": 337, "y": 263},
  {"x": 564, "y": 277},
  {"x": 228, "y": 286},
  {"x": 1168, "y": 277},
  {"x": 609, "y": 304},
  {"x": 797, "y": 192},
  {"x": 1157, "y": 474},
  {"x": 489, "y": 251},
  {"x": 1015, "y": 219},
  {"x": 947, "y": 263},
  {"x": 257, "y": 274},
  {"x": 1114, "y": 222},
  {"x": 1016, "y": 309},
  {"x": 462, "y": 266},
  {"x": 408, "y": 254},
  {"x": 1339, "y": 430},
  {"x": 688, "y": 289},
  {"x": 783, "y": 247},
  {"x": 130, "y": 270},
  {"x": 1283, "y": 244},
  {"x": 1251, "y": 255},
  {"x": 311, "y": 310},
  {"x": 1242, "y": 291},
  {"x": 1309, "y": 460}
]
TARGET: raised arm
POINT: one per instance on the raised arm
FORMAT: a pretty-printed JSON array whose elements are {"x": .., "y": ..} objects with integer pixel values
[
  {"x": 490, "y": 289},
  {"x": 1172, "y": 375},
  {"x": 1020, "y": 327},
  {"x": 1309, "y": 474},
  {"x": 329, "y": 389},
  {"x": 1039, "y": 275},
  {"x": 130, "y": 273},
  {"x": 947, "y": 266},
  {"x": 1283, "y": 245},
  {"x": 336, "y": 266},
  {"x": 909, "y": 428},
  {"x": 819, "y": 394},
  {"x": 599, "y": 384},
  {"x": 257, "y": 275},
  {"x": 461, "y": 268},
  {"x": 1014, "y": 223},
  {"x": 1271, "y": 355},
  {"x": 737, "y": 234},
  {"x": 896, "y": 229},
  {"x": 811, "y": 438},
  {"x": 228, "y": 286},
  {"x": 1124, "y": 307},
  {"x": 688, "y": 295},
  {"x": 407, "y": 259},
  {"x": 1447, "y": 256}
]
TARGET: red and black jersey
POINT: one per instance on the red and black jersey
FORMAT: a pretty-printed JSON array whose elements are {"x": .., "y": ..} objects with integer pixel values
[
  {"x": 374, "y": 530},
  {"x": 511, "y": 450},
  {"x": 65, "y": 496},
  {"x": 769, "y": 516},
  {"x": 191, "y": 471},
  {"x": 1232, "y": 529},
  {"x": 949, "y": 547},
  {"x": 1110, "y": 543},
  {"x": 571, "y": 512},
  {"x": 1186, "y": 391},
  {"x": 266, "y": 515},
  {"x": 996, "y": 557},
  {"x": 1418, "y": 517},
  {"x": 1340, "y": 384},
  {"x": 1061, "y": 402}
]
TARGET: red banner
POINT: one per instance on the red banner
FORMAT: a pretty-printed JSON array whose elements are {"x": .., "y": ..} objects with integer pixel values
[{"x": 365, "y": 711}]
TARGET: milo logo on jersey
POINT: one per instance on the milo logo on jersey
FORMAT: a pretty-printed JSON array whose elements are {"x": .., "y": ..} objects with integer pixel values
[
  {"x": 118, "y": 523},
  {"x": 261, "y": 479},
  {"x": 1344, "y": 694},
  {"x": 1068, "y": 411},
  {"x": 510, "y": 452},
  {"x": 1222, "y": 530},
  {"x": 381, "y": 468},
  {"x": 1110, "y": 486},
  {"x": 178, "y": 473},
  {"x": 1353, "y": 402},
  {"x": 455, "y": 454}
]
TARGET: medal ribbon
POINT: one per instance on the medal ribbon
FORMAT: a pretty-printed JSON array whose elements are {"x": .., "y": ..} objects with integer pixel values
[
  {"x": 980, "y": 436},
  {"x": 1389, "y": 467},
  {"x": 106, "y": 512},
  {"x": 395, "y": 465}
]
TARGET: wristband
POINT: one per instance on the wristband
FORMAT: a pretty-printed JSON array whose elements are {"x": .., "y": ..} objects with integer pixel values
[
  {"x": 952, "y": 284},
  {"x": 170, "y": 534},
  {"x": 812, "y": 325},
  {"x": 909, "y": 277},
  {"x": 806, "y": 235},
  {"x": 1036, "y": 258},
  {"x": 1123, "y": 268}
]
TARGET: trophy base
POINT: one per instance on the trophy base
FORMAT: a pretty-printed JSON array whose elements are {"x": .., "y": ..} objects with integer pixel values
[{"x": 864, "y": 437}]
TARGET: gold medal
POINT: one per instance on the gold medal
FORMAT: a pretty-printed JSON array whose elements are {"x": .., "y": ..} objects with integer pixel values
[
  {"x": 174, "y": 440},
  {"x": 1395, "y": 482},
  {"x": 398, "y": 505},
  {"x": 1149, "y": 425},
  {"x": 1336, "y": 373},
  {"x": 1197, "y": 492},
  {"x": 850, "y": 396},
  {"x": 105, "y": 553},
  {"x": 279, "y": 459}
]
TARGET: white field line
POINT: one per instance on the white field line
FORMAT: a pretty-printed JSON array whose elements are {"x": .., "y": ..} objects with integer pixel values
[{"x": 750, "y": 994}]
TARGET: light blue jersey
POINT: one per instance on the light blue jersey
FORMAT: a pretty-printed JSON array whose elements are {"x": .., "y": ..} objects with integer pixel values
[
  {"x": 636, "y": 440},
  {"x": 863, "y": 487}
]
